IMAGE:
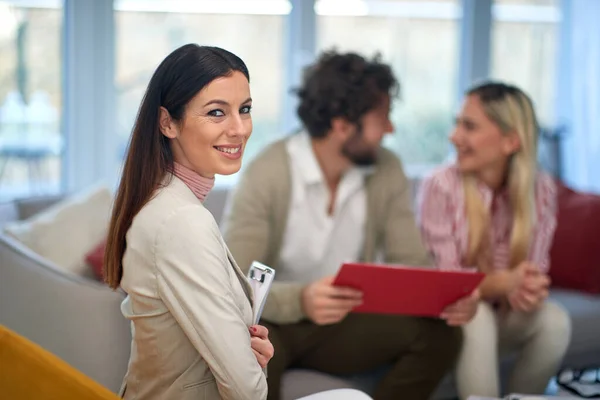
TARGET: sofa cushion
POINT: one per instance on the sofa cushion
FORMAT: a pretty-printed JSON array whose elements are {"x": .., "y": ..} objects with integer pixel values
[
  {"x": 65, "y": 232},
  {"x": 95, "y": 259},
  {"x": 584, "y": 310},
  {"x": 574, "y": 254}
]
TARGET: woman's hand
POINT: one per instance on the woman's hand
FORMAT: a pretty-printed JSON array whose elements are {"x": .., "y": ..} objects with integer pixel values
[
  {"x": 518, "y": 275},
  {"x": 532, "y": 290},
  {"x": 261, "y": 345}
]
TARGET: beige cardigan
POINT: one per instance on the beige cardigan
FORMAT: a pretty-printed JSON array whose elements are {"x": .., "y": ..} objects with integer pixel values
[
  {"x": 256, "y": 216},
  {"x": 189, "y": 304}
]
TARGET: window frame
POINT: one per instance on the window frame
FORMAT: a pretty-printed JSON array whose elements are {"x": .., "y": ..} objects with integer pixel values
[{"x": 89, "y": 40}]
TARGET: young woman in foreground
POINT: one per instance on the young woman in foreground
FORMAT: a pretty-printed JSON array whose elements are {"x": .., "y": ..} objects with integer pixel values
[
  {"x": 493, "y": 210},
  {"x": 189, "y": 303}
]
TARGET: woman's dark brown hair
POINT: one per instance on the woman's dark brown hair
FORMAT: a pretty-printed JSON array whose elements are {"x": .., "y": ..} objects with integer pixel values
[{"x": 184, "y": 73}]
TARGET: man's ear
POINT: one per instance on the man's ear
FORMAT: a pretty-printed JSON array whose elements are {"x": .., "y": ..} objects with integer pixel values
[
  {"x": 166, "y": 124},
  {"x": 341, "y": 128}
]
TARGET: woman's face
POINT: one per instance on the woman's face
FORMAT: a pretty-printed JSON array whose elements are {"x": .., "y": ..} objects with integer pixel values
[
  {"x": 212, "y": 135},
  {"x": 479, "y": 142}
]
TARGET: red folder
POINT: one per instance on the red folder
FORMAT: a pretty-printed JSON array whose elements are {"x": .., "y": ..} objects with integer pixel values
[{"x": 402, "y": 290}]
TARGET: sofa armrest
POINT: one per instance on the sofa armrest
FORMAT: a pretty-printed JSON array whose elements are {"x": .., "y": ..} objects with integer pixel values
[
  {"x": 35, "y": 373},
  {"x": 75, "y": 318}
]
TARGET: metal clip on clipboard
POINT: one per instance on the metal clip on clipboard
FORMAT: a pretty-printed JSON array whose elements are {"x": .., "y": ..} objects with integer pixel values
[{"x": 260, "y": 278}]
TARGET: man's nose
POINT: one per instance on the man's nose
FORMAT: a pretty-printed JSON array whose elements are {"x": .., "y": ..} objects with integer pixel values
[{"x": 390, "y": 128}]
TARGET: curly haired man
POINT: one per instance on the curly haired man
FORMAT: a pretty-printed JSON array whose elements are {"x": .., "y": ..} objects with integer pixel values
[{"x": 327, "y": 195}]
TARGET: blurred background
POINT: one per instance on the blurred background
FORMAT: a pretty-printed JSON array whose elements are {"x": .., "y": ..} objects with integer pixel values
[{"x": 73, "y": 72}]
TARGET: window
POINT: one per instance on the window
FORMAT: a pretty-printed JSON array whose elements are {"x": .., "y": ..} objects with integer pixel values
[
  {"x": 524, "y": 44},
  {"x": 30, "y": 98},
  {"x": 420, "y": 40},
  {"x": 147, "y": 32}
]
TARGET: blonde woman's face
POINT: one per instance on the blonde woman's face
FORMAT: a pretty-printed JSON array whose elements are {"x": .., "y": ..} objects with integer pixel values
[{"x": 479, "y": 142}]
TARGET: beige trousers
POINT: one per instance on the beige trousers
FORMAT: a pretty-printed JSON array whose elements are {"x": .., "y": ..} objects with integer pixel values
[{"x": 540, "y": 339}]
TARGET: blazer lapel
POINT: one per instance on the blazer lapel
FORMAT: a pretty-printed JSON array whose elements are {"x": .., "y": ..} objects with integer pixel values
[{"x": 241, "y": 277}]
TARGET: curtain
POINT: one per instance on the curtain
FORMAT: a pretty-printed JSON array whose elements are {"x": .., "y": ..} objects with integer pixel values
[{"x": 579, "y": 93}]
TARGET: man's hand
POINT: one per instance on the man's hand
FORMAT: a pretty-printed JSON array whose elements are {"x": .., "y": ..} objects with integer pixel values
[
  {"x": 326, "y": 304},
  {"x": 463, "y": 310},
  {"x": 532, "y": 291},
  {"x": 261, "y": 345}
]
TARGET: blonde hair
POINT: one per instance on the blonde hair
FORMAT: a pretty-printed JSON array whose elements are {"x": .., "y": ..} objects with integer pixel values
[{"x": 513, "y": 112}]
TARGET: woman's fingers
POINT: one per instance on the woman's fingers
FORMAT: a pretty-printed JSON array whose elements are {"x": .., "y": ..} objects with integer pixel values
[
  {"x": 527, "y": 301},
  {"x": 261, "y": 345},
  {"x": 516, "y": 302},
  {"x": 259, "y": 331},
  {"x": 262, "y": 360}
]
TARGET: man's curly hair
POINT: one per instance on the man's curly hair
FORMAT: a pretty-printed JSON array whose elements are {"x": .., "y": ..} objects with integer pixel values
[{"x": 342, "y": 85}]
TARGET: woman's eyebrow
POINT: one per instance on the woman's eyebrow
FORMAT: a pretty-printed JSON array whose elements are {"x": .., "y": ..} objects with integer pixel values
[
  {"x": 217, "y": 101},
  {"x": 224, "y": 103}
]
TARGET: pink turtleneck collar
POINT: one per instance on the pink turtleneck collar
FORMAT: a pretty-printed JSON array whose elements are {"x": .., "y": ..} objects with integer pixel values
[{"x": 198, "y": 184}]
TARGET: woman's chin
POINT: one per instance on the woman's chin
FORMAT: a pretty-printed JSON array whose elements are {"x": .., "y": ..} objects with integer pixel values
[
  {"x": 466, "y": 167},
  {"x": 229, "y": 169}
]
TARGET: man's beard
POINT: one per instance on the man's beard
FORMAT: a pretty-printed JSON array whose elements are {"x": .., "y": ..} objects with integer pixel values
[{"x": 358, "y": 152}]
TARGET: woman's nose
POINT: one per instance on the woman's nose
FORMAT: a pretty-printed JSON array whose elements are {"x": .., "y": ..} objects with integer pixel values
[
  {"x": 454, "y": 136},
  {"x": 239, "y": 127}
]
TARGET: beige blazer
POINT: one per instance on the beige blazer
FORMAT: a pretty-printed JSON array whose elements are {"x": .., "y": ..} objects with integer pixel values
[{"x": 189, "y": 305}]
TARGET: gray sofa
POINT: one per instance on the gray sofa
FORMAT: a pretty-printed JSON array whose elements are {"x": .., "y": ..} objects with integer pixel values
[
  {"x": 80, "y": 320},
  {"x": 74, "y": 317}
]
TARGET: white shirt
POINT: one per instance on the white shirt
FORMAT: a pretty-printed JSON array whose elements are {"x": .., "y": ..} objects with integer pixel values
[{"x": 315, "y": 244}]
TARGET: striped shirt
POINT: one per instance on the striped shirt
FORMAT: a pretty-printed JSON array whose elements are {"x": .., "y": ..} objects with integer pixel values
[{"x": 444, "y": 226}]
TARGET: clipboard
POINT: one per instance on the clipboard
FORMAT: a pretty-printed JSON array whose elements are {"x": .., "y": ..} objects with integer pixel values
[
  {"x": 404, "y": 290},
  {"x": 260, "y": 278}
]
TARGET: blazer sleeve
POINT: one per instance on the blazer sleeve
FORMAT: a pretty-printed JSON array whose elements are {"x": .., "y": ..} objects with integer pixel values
[
  {"x": 194, "y": 283},
  {"x": 435, "y": 213},
  {"x": 249, "y": 233}
]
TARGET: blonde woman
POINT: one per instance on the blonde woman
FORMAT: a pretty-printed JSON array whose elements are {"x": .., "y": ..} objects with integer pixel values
[{"x": 494, "y": 211}]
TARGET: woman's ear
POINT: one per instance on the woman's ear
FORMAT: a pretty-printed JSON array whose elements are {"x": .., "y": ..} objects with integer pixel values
[
  {"x": 512, "y": 143},
  {"x": 166, "y": 124}
]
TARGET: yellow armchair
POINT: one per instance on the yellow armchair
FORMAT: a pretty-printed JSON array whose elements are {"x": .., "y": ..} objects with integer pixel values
[{"x": 27, "y": 371}]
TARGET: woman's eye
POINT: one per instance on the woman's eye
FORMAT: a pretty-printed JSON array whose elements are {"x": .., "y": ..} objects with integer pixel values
[
  {"x": 216, "y": 113},
  {"x": 245, "y": 110}
]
